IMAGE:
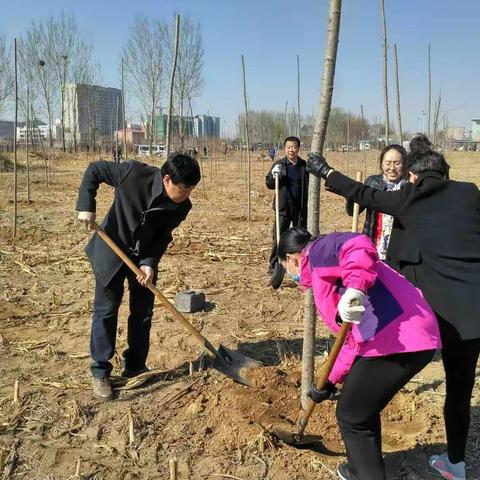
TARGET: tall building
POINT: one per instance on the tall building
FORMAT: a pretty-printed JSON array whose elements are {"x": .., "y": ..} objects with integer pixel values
[
  {"x": 92, "y": 111},
  {"x": 476, "y": 129},
  {"x": 206, "y": 126}
]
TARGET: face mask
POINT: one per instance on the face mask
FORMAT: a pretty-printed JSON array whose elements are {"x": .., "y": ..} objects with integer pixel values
[{"x": 294, "y": 276}]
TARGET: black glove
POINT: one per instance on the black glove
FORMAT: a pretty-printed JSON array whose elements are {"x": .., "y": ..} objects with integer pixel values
[
  {"x": 326, "y": 393},
  {"x": 318, "y": 166}
]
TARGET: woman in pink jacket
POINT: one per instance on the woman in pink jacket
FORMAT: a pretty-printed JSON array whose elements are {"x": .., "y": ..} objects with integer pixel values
[{"x": 394, "y": 334}]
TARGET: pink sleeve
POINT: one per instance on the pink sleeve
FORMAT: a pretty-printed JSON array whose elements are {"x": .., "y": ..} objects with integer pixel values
[
  {"x": 358, "y": 260},
  {"x": 344, "y": 361}
]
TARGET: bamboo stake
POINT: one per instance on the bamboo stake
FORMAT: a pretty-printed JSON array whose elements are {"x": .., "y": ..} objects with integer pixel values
[
  {"x": 77, "y": 469},
  {"x": 363, "y": 138},
  {"x": 131, "y": 431},
  {"x": 348, "y": 141},
  {"x": 248, "y": 140},
  {"x": 298, "y": 95},
  {"x": 172, "y": 82},
  {"x": 2, "y": 460},
  {"x": 385, "y": 72},
  {"x": 173, "y": 467},
  {"x": 318, "y": 140},
  {"x": 399, "y": 114},
  {"x": 16, "y": 392},
  {"x": 27, "y": 160},
  {"x": 123, "y": 115},
  {"x": 15, "y": 172},
  {"x": 356, "y": 208}
]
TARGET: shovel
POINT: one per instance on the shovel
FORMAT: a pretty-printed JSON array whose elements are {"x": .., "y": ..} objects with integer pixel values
[
  {"x": 298, "y": 438},
  {"x": 230, "y": 363},
  {"x": 278, "y": 270}
]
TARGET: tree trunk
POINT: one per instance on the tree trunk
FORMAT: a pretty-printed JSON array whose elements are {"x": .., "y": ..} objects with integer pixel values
[
  {"x": 172, "y": 81},
  {"x": 429, "y": 91},
  {"x": 298, "y": 95},
  {"x": 399, "y": 111},
  {"x": 318, "y": 141},
  {"x": 15, "y": 179},
  {"x": 385, "y": 73},
  {"x": 27, "y": 159},
  {"x": 247, "y": 138},
  {"x": 125, "y": 153}
]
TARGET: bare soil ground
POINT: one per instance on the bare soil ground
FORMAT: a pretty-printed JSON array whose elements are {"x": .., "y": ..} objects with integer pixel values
[{"x": 206, "y": 421}]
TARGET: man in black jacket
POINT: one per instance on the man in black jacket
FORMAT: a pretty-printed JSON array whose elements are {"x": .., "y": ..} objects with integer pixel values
[
  {"x": 435, "y": 244},
  {"x": 149, "y": 204},
  {"x": 293, "y": 193}
]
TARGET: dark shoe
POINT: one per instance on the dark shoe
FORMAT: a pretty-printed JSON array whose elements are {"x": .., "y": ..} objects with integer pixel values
[
  {"x": 344, "y": 472},
  {"x": 102, "y": 388},
  {"x": 127, "y": 373},
  {"x": 276, "y": 278}
]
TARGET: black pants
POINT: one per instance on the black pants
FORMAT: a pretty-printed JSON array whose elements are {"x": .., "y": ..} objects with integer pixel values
[
  {"x": 285, "y": 221},
  {"x": 104, "y": 325},
  {"x": 460, "y": 359},
  {"x": 370, "y": 385}
]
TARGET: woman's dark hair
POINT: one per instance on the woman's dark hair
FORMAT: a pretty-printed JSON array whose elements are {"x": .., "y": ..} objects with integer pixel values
[
  {"x": 400, "y": 150},
  {"x": 424, "y": 158},
  {"x": 182, "y": 169},
  {"x": 292, "y": 240}
]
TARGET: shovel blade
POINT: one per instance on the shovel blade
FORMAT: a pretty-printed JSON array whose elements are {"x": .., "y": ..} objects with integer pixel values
[
  {"x": 295, "y": 439},
  {"x": 235, "y": 365}
]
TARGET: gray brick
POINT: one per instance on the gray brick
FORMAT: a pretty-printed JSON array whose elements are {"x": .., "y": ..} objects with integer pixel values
[{"x": 190, "y": 301}]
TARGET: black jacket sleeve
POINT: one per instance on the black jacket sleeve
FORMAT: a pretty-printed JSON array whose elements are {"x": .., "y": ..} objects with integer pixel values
[
  {"x": 367, "y": 197},
  {"x": 111, "y": 173},
  {"x": 155, "y": 251}
]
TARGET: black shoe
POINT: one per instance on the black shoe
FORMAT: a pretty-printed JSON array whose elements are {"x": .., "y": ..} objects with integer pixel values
[
  {"x": 344, "y": 472},
  {"x": 276, "y": 278}
]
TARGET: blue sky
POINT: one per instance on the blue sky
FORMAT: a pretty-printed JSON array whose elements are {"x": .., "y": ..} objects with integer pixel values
[{"x": 270, "y": 33}]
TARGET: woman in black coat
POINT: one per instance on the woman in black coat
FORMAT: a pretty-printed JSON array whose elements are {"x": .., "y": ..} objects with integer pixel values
[
  {"x": 378, "y": 225},
  {"x": 435, "y": 244}
]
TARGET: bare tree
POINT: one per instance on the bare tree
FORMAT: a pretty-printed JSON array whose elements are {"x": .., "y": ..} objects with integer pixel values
[
  {"x": 385, "y": 72},
  {"x": 6, "y": 78},
  {"x": 15, "y": 176},
  {"x": 429, "y": 90},
  {"x": 247, "y": 137},
  {"x": 313, "y": 223},
  {"x": 298, "y": 95},
  {"x": 144, "y": 64},
  {"x": 436, "y": 115},
  {"x": 189, "y": 82}
]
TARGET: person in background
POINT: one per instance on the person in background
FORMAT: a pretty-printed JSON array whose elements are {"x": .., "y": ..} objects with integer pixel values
[
  {"x": 293, "y": 198},
  {"x": 435, "y": 243},
  {"x": 378, "y": 226},
  {"x": 271, "y": 153},
  {"x": 149, "y": 203},
  {"x": 394, "y": 334}
]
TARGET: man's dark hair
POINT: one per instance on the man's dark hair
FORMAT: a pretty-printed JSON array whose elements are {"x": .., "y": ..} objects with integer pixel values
[
  {"x": 292, "y": 139},
  {"x": 423, "y": 157},
  {"x": 182, "y": 169},
  {"x": 400, "y": 150},
  {"x": 293, "y": 240}
]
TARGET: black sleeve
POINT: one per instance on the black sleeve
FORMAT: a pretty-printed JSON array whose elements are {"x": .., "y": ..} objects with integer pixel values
[
  {"x": 367, "y": 197},
  {"x": 111, "y": 173}
]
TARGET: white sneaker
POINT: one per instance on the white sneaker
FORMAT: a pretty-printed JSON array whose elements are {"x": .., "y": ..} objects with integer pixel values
[{"x": 447, "y": 469}]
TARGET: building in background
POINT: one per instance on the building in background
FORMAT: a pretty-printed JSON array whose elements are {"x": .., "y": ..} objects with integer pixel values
[
  {"x": 6, "y": 129},
  {"x": 91, "y": 111},
  {"x": 37, "y": 133},
  {"x": 476, "y": 129},
  {"x": 455, "y": 133},
  {"x": 134, "y": 133},
  {"x": 206, "y": 126}
]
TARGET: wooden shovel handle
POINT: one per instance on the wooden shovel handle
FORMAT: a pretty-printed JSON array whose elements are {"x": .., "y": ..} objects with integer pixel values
[
  {"x": 178, "y": 316},
  {"x": 277, "y": 207},
  {"x": 322, "y": 379}
]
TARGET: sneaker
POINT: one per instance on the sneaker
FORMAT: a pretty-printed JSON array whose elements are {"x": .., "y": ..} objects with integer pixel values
[
  {"x": 344, "y": 472},
  {"x": 128, "y": 373},
  {"x": 102, "y": 388},
  {"x": 447, "y": 469}
]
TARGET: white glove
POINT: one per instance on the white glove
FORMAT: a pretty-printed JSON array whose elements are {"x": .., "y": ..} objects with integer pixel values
[
  {"x": 88, "y": 218},
  {"x": 277, "y": 170},
  {"x": 350, "y": 306}
]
